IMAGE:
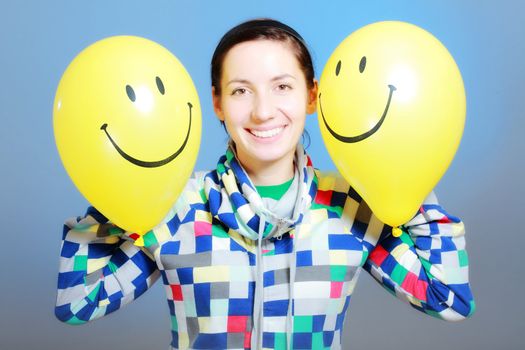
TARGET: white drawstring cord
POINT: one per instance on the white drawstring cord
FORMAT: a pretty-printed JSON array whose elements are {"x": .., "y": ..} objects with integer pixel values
[
  {"x": 258, "y": 305},
  {"x": 289, "y": 313}
]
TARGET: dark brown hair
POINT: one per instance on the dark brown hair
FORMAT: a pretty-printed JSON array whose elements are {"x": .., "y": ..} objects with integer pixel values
[{"x": 261, "y": 29}]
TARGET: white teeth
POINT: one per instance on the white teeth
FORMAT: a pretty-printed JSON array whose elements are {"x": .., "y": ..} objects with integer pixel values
[{"x": 266, "y": 133}]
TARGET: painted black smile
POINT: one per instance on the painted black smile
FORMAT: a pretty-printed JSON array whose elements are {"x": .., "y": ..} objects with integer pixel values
[
  {"x": 147, "y": 164},
  {"x": 352, "y": 139}
]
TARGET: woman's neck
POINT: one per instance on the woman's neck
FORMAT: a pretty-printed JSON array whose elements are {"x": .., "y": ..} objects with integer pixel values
[{"x": 269, "y": 173}]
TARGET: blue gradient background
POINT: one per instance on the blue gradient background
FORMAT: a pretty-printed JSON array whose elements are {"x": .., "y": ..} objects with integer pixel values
[{"x": 483, "y": 185}]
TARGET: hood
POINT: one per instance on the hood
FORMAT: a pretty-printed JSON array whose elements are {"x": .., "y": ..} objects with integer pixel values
[{"x": 235, "y": 202}]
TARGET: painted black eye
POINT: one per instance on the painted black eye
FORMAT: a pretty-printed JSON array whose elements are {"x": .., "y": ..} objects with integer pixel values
[
  {"x": 338, "y": 68},
  {"x": 131, "y": 93},
  {"x": 362, "y": 64},
  {"x": 160, "y": 85}
]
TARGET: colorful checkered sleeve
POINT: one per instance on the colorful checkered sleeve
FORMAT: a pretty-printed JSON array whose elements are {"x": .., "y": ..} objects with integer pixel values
[
  {"x": 427, "y": 265},
  {"x": 100, "y": 269}
]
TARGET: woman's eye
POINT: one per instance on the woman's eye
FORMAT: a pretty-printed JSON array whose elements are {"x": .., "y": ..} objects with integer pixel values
[
  {"x": 239, "y": 91},
  {"x": 284, "y": 87}
]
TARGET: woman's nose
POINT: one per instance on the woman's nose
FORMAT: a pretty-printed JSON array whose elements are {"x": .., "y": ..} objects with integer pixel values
[{"x": 263, "y": 108}]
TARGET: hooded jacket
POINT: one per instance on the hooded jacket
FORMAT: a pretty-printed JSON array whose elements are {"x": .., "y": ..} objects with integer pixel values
[{"x": 242, "y": 273}]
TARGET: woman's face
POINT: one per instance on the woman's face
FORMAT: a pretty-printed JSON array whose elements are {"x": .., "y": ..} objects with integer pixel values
[{"x": 264, "y": 100}]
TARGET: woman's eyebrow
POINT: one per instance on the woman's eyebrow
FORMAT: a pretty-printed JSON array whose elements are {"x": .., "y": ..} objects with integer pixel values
[
  {"x": 240, "y": 81},
  {"x": 283, "y": 76}
]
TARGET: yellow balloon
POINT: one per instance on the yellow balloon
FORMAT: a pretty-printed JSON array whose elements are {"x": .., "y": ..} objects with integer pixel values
[
  {"x": 127, "y": 124},
  {"x": 391, "y": 111}
]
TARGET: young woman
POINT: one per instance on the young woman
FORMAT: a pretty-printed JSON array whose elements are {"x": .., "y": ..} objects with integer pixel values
[{"x": 264, "y": 251}]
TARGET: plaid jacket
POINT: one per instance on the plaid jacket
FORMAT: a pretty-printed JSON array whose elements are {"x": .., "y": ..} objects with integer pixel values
[{"x": 227, "y": 289}]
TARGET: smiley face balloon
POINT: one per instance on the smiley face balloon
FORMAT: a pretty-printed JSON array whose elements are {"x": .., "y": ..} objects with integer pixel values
[
  {"x": 127, "y": 125},
  {"x": 391, "y": 111}
]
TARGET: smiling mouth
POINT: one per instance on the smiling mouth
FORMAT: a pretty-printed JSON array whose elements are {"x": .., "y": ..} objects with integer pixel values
[
  {"x": 352, "y": 139},
  {"x": 266, "y": 133},
  {"x": 149, "y": 164}
]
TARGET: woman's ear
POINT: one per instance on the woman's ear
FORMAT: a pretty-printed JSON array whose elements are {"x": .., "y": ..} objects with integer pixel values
[
  {"x": 216, "y": 99},
  {"x": 312, "y": 98}
]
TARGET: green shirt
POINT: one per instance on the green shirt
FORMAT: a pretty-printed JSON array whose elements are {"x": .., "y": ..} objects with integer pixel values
[{"x": 274, "y": 191}]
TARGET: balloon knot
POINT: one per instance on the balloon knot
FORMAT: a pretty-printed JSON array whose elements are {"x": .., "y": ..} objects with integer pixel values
[{"x": 396, "y": 232}]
